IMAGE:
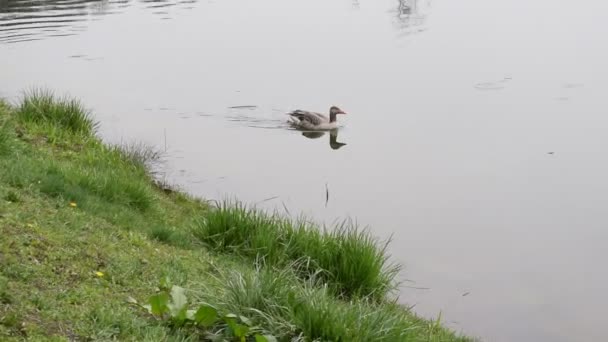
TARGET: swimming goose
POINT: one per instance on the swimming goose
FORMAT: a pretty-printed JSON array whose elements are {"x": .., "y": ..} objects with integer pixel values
[{"x": 315, "y": 121}]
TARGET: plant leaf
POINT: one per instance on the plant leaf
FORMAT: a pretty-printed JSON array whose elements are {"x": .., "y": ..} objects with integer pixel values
[
  {"x": 178, "y": 300},
  {"x": 206, "y": 315},
  {"x": 131, "y": 300},
  {"x": 231, "y": 321},
  {"x": 238, "y": 330},
  {"x": 260, "y": 338},
  {"x": 245, "y": 320},
  {"x": 158, "y": 303},
  {"x": 265, "y": 338},
  {"x": 179, "y": 318}
]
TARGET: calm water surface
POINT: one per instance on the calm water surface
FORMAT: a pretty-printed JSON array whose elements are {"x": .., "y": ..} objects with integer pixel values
[{"x": 476, "y": 132}]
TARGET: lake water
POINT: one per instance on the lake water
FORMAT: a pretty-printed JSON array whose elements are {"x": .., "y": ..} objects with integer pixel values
[{"x": 475, "y": 133}]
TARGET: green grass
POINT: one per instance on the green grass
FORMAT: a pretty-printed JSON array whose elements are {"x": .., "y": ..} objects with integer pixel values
[
  {"x": 83, "y": 227},
  {"x": 350, "y": 260},
  {"x": 4, "y": 142},
  {"x": 141, "y": 155},
  {"x": 5, "y": 134},
  {"x": 276, "y": 298},
  {"x": 42, "y": 106}
]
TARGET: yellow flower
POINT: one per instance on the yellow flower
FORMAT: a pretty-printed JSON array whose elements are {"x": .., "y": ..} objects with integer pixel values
[
  {"x": 99, "y": 274},
  {"x": 73, "y": 204}
]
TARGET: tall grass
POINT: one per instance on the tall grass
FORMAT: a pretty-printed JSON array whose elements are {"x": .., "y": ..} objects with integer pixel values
[
  {"x": 139, "y": 154},
  {"x": 42, "y": 106},
  {"x": 347, "y": 258},
  {"x": 259, "y": 293},
  {"x": 307, "y": 311}
]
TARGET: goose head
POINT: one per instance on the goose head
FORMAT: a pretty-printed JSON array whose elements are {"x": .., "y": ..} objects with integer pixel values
[{"x": 333, "y": 112}]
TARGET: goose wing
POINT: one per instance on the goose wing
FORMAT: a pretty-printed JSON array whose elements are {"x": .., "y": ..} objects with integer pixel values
[{"x": 312, "y": 118}]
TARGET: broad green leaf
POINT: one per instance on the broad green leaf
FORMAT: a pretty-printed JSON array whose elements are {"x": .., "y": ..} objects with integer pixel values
[
  {"x": 245, "y": 320},
  {"x": 178, "y": 300},
  {"x": 206, "y": 315},
  {"x": 260, "y": 338},
  {"x": 179, "y": 318},
  {"x": 265, "y": 338},
  {"x": 239, "y": 330},
  {"x": 231, "y": 321},
  {"x": 158, "y": 303}
]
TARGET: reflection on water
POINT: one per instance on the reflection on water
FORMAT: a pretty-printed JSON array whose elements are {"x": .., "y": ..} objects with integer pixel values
[
  {"x": 28, "y": 20},
  {"x": 411, "y": 15},
  {"x": 333, "y": 137}
]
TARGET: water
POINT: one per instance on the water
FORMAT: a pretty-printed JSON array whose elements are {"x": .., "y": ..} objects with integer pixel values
[{"x": 475, "y": 134}]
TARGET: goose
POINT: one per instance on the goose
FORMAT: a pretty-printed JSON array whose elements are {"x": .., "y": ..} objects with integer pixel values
[{"x": 315, "y": 121}]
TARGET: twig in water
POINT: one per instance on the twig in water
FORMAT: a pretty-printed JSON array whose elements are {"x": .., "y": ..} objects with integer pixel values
[
  {"x": 326, "y": 195},
  {"x": 267, "y": 199},
  {"x": 417, "y": 287}
]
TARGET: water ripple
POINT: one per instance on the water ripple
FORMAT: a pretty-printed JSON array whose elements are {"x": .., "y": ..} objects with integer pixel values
[{"x": 30, "y": 20}]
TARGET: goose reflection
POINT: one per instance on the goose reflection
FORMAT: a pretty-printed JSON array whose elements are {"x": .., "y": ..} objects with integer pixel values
[{"x": 333, "y": 137}]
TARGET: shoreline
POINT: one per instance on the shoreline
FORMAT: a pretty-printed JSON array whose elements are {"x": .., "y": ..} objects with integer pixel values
[{"x": 85, "y": 227}]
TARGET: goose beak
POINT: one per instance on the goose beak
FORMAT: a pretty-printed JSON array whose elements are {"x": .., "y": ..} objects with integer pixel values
[{"x": 341, "y": 112}]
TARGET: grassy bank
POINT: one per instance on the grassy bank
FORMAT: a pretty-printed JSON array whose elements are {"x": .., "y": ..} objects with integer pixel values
[{"x": 87, "y": 238}]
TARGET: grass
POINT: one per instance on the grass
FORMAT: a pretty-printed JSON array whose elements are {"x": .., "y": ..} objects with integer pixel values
[
  {"x": 309, "y": 310},
  {"x": 42, "y": 106},
  {"x": 347, "y": 258},
  {"x": 83, "y": 227},
  {"x": 142, "y": 155},
  {"x": 4, "y": 142},
  {"x": 5, "y": 134}
]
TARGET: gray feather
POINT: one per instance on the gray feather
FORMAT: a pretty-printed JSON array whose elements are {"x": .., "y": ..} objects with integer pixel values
[{"x": 309, "y": 117}]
